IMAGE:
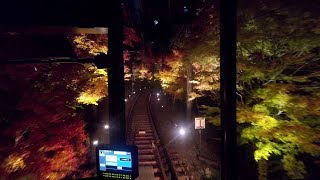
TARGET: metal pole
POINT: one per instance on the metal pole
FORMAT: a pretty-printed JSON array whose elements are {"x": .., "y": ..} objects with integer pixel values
[
  {"x": 116, "y": 78},
  {"x": 200, "y": 142},
  {"x": 228, "y": 27}
]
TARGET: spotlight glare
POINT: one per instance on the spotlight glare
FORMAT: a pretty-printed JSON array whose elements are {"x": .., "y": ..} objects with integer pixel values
[
  {"x": 106, "y": 126},
  {"x": 182, "y": 131},
  {"x": 95, "y": 142}
]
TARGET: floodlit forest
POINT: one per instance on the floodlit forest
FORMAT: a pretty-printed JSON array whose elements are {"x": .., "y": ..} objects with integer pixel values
[{"x": 43, "y": 106}]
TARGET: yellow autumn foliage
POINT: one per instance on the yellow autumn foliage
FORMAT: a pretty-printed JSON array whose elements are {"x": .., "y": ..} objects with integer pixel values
[
  {"x": 14, "y": 162},
  {"x": 96, "y": 88},
  {"x": 93, "y": 47}
]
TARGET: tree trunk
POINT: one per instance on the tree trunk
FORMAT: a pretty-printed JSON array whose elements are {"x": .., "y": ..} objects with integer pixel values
[
  {"x": 132, "y": 76},
  {"x": 189, "y": 91},
  {"x": 263, "y": 169}
]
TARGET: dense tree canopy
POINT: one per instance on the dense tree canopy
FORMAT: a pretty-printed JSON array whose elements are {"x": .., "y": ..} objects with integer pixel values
[
  {"x": 278, "y": 65},
  {"x": 43, "y": 128},
  {"x": 278, "y": 79}
]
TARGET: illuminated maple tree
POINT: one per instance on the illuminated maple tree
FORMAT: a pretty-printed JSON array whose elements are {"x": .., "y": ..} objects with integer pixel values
[
  {"x": 277, "y": 81},
  {"x": 45, "y": 135},
  {"x": 44, "y": 129},
  {"x": 92, "y": 45},
  {"x": 278, "y": 73}
]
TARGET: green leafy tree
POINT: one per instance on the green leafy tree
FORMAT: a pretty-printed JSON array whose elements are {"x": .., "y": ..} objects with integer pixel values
[
  {"x": 278, "y": 79},
  {"x": 278, "y": 84}
]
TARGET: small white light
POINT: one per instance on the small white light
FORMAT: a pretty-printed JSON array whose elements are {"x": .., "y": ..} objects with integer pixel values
[
  {"x": 158, "y": 99},
  {"x": 125, "y": 100},
  {"x": 106, "y": 126},
  {"x": 182, "y": 132},
  {"x": 134, "y": 92},
  {"x": 156, "y": 22},
  {"x": 129, "y": 95},
  {"x": 95, "y": 142},
  {"x": 185, "y": 9},
  {"x": 162, "y": 106},
  {"x": 140, "y": 89},
  {"x": 158, "y": 94}
]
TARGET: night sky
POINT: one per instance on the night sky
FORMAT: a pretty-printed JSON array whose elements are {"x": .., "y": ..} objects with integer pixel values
[{"x": 161, "y": 15}]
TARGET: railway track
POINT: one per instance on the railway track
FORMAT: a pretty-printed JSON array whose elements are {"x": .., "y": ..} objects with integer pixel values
[{"x": 156, "y": 161}]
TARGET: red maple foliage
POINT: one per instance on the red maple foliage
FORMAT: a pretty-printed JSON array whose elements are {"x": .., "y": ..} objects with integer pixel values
[{"x": 43, "y": 134}]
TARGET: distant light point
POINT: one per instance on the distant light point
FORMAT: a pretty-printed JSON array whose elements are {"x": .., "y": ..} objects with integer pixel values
[{"x": 95, "y": 142}]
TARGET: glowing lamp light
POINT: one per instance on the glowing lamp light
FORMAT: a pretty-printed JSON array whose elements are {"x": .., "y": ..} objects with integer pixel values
[
  {"x": 95, "y": 142},
  {"x": 162, "y": 106},
  {"x": 125, "y": 100},
  {"x": 106, "y": 126},
  {"x": 185, "y": 9},
  {"x": 156, "y": 22},
  {"x": 158, "y": 94},
  {"x": 182, "y": 132},
  {"x": 134, "y": 92},
  {"x": 158, "y": 99},
  {"x": 129, "y": 95}
]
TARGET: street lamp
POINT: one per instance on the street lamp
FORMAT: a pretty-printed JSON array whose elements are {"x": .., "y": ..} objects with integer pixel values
[
  {"x": 106, "y": 126},
  {"x": 158, "y": 99},
  {"x": 155, "y": 22},
  {"x": 182, "y": 131}
]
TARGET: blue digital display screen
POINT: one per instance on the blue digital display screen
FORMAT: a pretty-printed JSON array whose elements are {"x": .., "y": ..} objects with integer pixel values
[{"x": 119, "y": 161}]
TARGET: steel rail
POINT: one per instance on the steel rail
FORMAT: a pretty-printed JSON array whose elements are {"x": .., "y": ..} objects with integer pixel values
[
  {"x": 161, "y": 154},
  {"x": 173, "y": 172},
  {"x": 155, "y": 132}
]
